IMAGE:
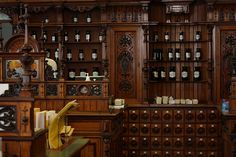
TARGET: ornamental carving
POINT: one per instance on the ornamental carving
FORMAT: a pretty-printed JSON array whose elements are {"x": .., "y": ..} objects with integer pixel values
[
  {"x": 125, "y": 58},
  {"x": 71, "y": 90},
  {"x": 228, "y": 55},
  {"x": 51, "y": 90},
  {"x": 8, "y": 118}
]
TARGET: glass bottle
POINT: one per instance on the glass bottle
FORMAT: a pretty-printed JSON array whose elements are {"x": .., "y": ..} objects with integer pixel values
[
  {"x": 159, "y": 54},
  {"x": 154, "y": 54},
  {"x": 167, "y": 36},
  {"x": 75, "y": 18},
  {"x": 88, "y": 36},
  {"x": 172, "y": 74},
  {"x": 100, "y": 37},
  {"x": 55, "y": 74},
  {"x": 187, "y": 54},
  {"x": 181, "y": 36},
  {"x": 83, "y": 72},
  {"x": 46, "y": 20},
  {"x": 197, "y": 73},
  {"x": 88, "y": 18},
  {"x": 95, "y": 71},
  {"x": 56, "y": 54},
  {"x": 77, "y": 35},
  {"x": 170, "y": 54},
  {"x": 81, "y": 54},
  {"x": 163, "y": 73},
  {"x": 66, "y": 38},
  {"x": 34, "y": 35},
  {"x": 198, "y": 36},
  {"x": 45, "y": 37},
  {"x": 69, "y": 55},
  {"x": 71, "y": 74},
  {"x": 198, "y": 54},
  {"x": 48, "y": 52},
  {"x": 177, "y": 54},
  {"x": 54, "y": 37},
  {"x": 155, "y": 74},
  {"x": 94, "y": 54},
  {"x": 184, "y": 73}
]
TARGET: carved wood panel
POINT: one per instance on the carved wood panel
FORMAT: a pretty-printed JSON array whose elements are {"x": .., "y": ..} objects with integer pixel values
[
  {"x": 228, "y": 60},
  {"x": 125, "y": 64}
]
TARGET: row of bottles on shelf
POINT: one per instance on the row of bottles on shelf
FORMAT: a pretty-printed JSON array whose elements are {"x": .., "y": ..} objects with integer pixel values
[
  {"x": 75, "y": 19},
  {"x": 69, "y": 56},
  {"x": 72, "y": 73},
  {"x": 176, "y": 54},
  {"x": 159, "y": 73},
  {"x": 155, "y": 37},
  {"x": 77, "y": 36}
]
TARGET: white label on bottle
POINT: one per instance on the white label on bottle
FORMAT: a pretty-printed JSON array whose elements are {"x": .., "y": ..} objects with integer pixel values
[
  {"x": 77, "y": 37},
  {"x": 196, "y": 74},
  {"x": 166, "y": 37},
  {"x": 56, "y": 54},
  {"x": 34, "y": 36},
  {"x": 75, "y": 19},
  {"x": 172, "y": 74},
  {"x": 177, "y": 55},
  {"x": 87, "y": 37},
  {"x": 100, "y": 38},
  {"x": 187, "y": 54},
  {"x": 163, "y": 74},
  {"x": 94, "y": 56},
  {"x": 81, "y": 56},
  {"x": 53, "y": 38},
  {"x": 184, "y": 74},
  {"x": 170, "y": 55},
  {"x": 181, "y": 37},
  {"x": 66, "y": 38},
  {"x": 155, "y": 74},
  {"x": 55, "y": 74},
  {"x": 198, "y": 54},
  {"x": 45, "y": 36},
  {"x": 197, "y": 36},
  {"x": 89, "y": 19},
  {"x": 82, "y": 73},
  {"x": 69, "y": 55},
  {"x": 71, "y": 74}
]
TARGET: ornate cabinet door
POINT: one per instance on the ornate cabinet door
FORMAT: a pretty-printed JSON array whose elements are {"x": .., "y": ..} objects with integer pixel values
[{"x": 126, "y": 56}]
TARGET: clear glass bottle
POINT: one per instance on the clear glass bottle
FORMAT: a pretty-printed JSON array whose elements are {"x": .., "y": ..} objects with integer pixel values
[
  {"x": 100, "y": 37},
  {"x": 181, "y": 36},
  {"x": 71, "y": 74},
  {"x": 196, "y": 74},
  {"x": 154, "y": 54},
  {"x": 77, "y": 36},
  {"x": 155, "y": 74},
  {"x": 88, "y": 18},
  {"x": 83, "y": 72},
  {"x": 198, "y": 54},
  {"x": 94, "y": 54},
  {"x": 172, "y": 73},
  {"x": 66, "y": 38},
  {"x": 170, "y": 54},
  {"x": 198, "y": 36},
  {"x": 69, "y": 55},
  {"x": 56, "y": 54},
  {"x": 177, "y": 54},
  {"x": 187, "y": 54},
  {"x": 184, "y": 73},
  {"x": 81, "y": 54},
  {"x": 88, "y": 36},
  {"x": 95, "y": 71}
]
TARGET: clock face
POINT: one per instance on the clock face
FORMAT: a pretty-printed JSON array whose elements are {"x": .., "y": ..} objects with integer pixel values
[{"x": 15, "y": 44}]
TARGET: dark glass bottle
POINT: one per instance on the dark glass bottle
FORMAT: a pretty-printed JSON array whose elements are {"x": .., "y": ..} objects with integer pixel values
[
  {"x": 162, "y": 73},
  {"x": 54, "y": 37},
  {"x": 56, "y": 54},
  {"x": 71, "y": 74},
  {"x": 45, "y": 36},
  {"x": 88, "y": 36},
  {"x": 75, "y": 18},
  {"x": 177, "y": 54},
  {"x": 184, "y": 73},
  {"x": 159, "y": 54},
  {"x": 69, "y": 55},
  {"x": 94, "y": 54},
  {"x": 77, "y": 36},
  {"x": 89, "y": 18},
  {"x": 66, "y": 38},
  {"x": 198, "y": 36},
  {"x": 172, "y": 73},
  {"x": 196, "y": 74},
  {"x": 198, "y": 54},
  {"x": 187, "y": 54},
  {"x": 181, "y": 36},
  {"x": 170, "y": 54},
  {"x": 83, "y": 72},
  {"x": 34, "y": 35},
  {"x": 48, "y": 53},
  {"x": 167, "y": 36},
  {"x": 81, "y": 54},
  {"x": 155, "y": 74},
  {"x": 95, "y": 71}
]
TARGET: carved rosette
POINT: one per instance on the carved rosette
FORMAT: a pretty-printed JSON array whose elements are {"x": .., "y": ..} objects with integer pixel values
[
  {"x": 228, "y": 55},
  {"x": 51, "y": 90},
  {"x": 126, "y": 64},
  {"x": 8, "y": 118}
]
